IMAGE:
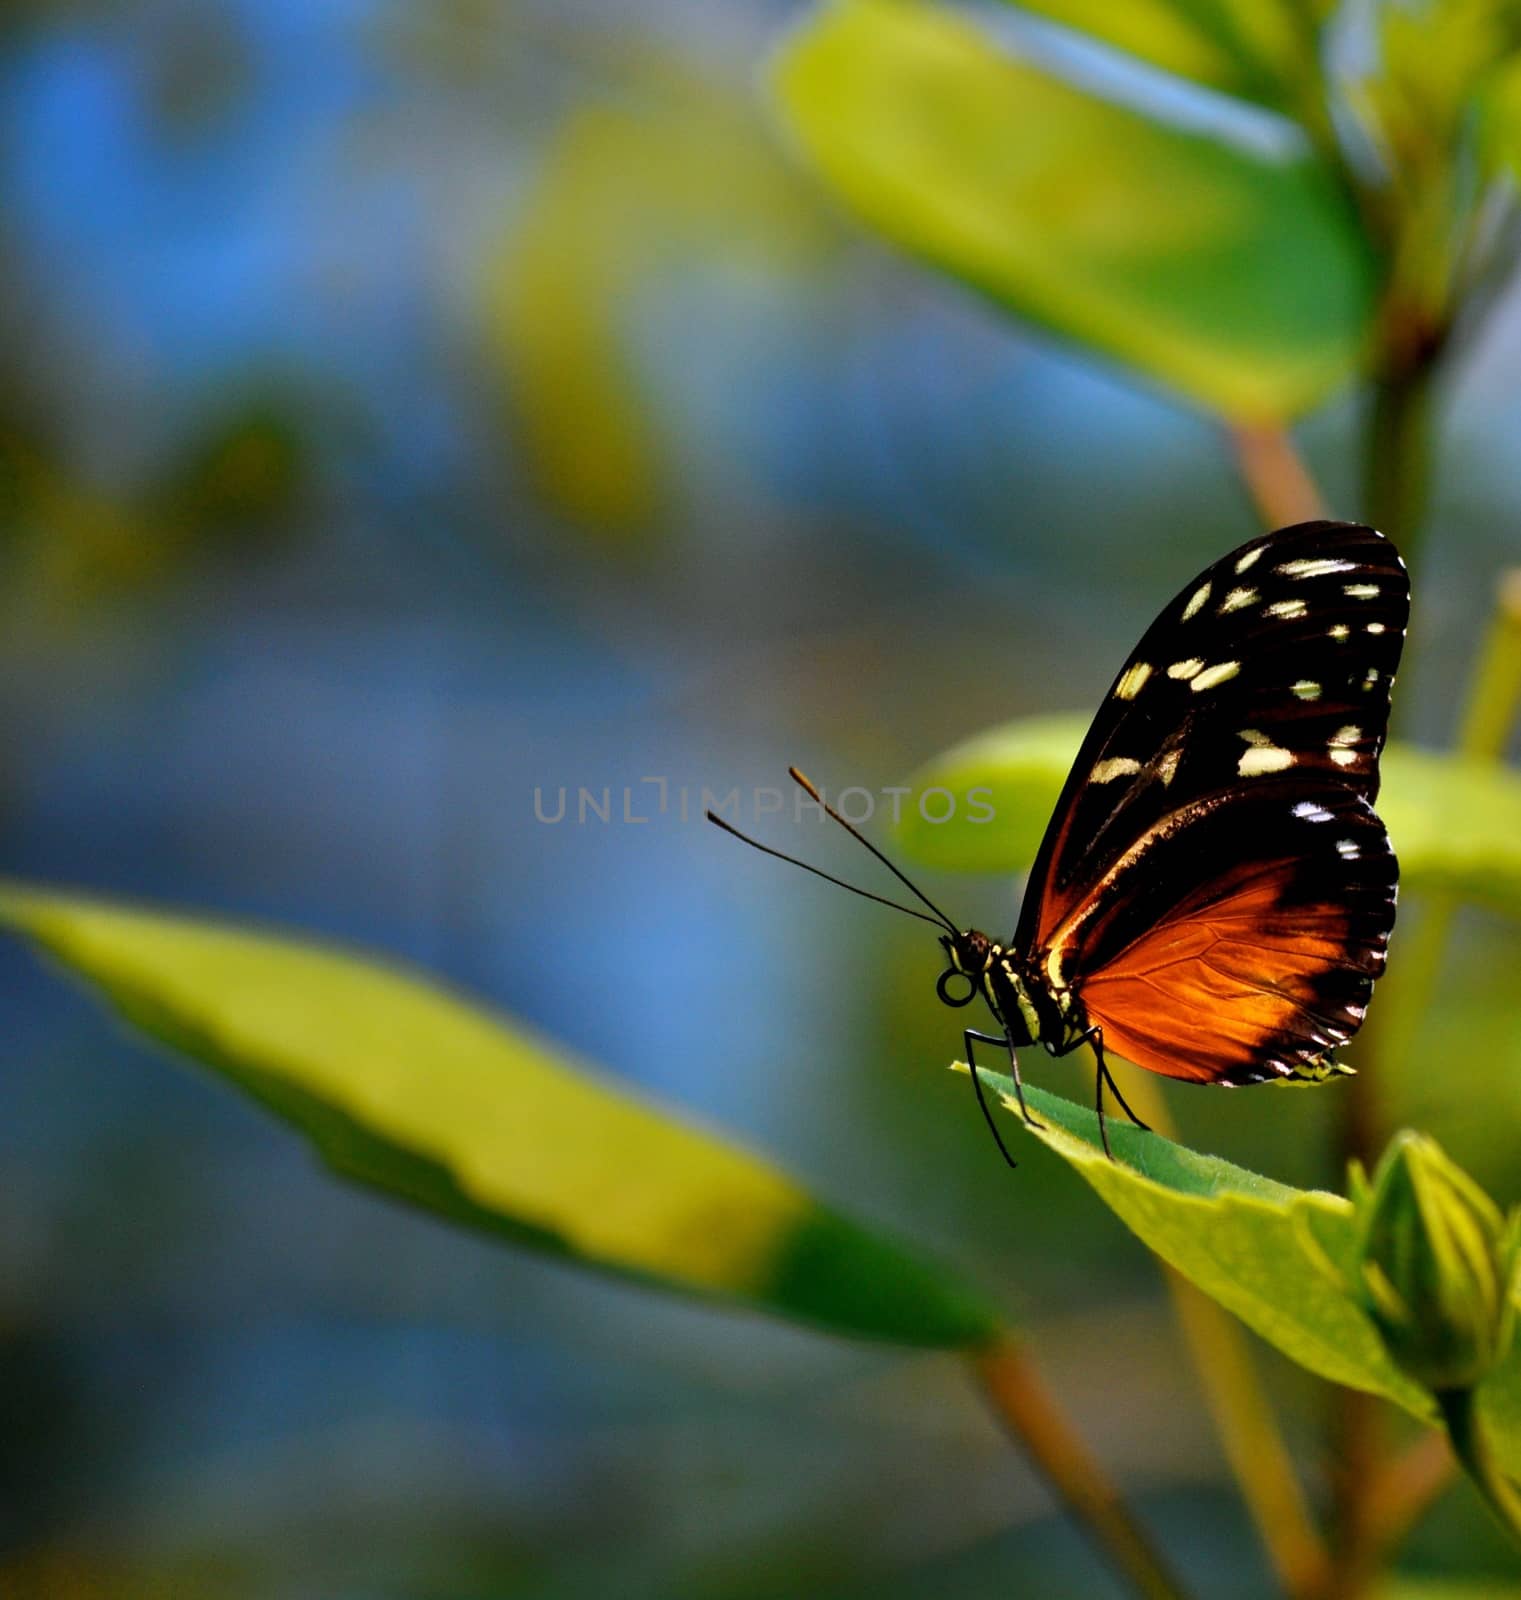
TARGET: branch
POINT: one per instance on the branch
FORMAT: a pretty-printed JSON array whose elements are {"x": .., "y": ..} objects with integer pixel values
[
  {"x": 1015, "y": 1391},
  {"x": 1275, "y": 475}
]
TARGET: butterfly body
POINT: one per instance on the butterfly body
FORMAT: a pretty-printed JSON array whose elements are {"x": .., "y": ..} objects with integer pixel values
[{"x": 1025, "y": 1007}]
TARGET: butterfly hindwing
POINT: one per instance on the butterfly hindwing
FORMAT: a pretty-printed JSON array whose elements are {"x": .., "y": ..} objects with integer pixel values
[
  {"x": 1214, "y": 882},
  {"x": 1242, "y": 941}
]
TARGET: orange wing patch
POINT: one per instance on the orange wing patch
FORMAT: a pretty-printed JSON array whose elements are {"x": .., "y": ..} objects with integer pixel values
[{"x": 1233, "y": 992}]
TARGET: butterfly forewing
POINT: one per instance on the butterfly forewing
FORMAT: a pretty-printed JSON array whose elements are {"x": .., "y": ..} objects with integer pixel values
[{"x": 1214, "y": 882}]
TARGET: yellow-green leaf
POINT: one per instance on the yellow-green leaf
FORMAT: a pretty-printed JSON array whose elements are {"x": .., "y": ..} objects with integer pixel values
[
  {"x": 1282, "y": 1259},
  {"x": 1239, "y": 278},
  {"x": 405, "y": 1087},
  {"x": 1455, "y": 822}
]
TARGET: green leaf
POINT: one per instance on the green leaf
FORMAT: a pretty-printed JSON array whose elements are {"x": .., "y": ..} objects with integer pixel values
[
  {"x": 413, "y": 1091},
  {"x": 1240, "y": 279},
  {"x": 1455, "y": 821},
  {"x": 1282, "y": 1259},
  {"x": 1274, "y": 1255},
  {"x": 1264, "y": 50}
]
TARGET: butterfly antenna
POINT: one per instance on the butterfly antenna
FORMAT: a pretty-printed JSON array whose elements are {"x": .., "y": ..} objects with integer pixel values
[
  {"x": 803, "y": 782},
  {"x": 865, "y": 894}
]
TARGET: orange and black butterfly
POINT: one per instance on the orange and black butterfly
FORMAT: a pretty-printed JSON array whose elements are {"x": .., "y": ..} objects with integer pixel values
[{"x": 1214, "y": 893}]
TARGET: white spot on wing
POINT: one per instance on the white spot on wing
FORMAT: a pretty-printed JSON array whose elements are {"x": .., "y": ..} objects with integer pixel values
[
  {"x": 1257, "y": 761},
  {"x": 1340, "y": 632},
  {"x": 1185, "y": 669},
  {"x": 1310, "y": 812},
  {"x": 1316, "y": 567},
  {"x": 1236, "y": 599},
  {"x": 1374, "y": 627},
  {"x": 1347, "y": 849},
  {"x": 1114, "y": 767},
  {"x": 1248, "y": 559},
  {"x": 1262, "y": 756},
  {"x": 1133, "y": 681},
  {"x": 1286, "y": 608},
  {"x": 1167, "y": 767},
  {"x": 1340, "y": 744},
  {"x": 1360, "y": 591},
  {"x": 1307, "y": 689},
  {"x": 1197, "y": 602},
  {"x": 1221, "y": 672},
  {"x": 1370, "y": 677}
]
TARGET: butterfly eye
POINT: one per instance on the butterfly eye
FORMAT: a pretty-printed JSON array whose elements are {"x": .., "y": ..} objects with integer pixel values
[{"x": 942, "y": 989}]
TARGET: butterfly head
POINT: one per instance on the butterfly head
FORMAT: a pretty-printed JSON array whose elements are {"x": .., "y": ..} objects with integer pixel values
[{"x": 967, "y": 952}]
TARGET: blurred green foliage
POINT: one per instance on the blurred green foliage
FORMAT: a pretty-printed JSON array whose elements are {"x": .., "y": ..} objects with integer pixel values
[
  {"x": 675, "y": 178},
  {"x": 1236, "y": 276}
]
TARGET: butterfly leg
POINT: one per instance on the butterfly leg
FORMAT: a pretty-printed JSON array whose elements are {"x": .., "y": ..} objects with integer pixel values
[
  {"x": 968, "y": 1036},
  {"x": 1019, "y": 1087},
  {"x": 1095, "y": 1037},
  {"x": 1114, "y": 1088},
  {"x": 1098, "y": 1098}
]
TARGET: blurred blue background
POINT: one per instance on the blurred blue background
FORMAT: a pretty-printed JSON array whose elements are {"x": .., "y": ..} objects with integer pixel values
[{"x": 411, "y": 407}]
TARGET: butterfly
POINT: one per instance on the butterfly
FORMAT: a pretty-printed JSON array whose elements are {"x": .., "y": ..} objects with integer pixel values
[{"x": 1214, "y": 894}]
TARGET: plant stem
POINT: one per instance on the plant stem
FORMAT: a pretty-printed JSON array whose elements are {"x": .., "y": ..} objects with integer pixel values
[
  {"x": 1357, "y": 1437},
  {"x": 1275, "y": 475},
  {"x": 1495, "y": 688},
  {"x": 1397, "y": 480},
  {"x": 1015, "y": 1391},
  {"x": 1244, "y": 1420},
  {"x": 1399, "y": 1495},
  {"x": 1472, "y": 1449},
  {"x": 1249, "y": 1434}
]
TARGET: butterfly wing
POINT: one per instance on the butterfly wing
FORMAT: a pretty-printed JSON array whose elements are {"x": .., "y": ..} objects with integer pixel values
[
  {"x": 1214, "y": 882},
  {"x": 1241, "y": 943}
]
